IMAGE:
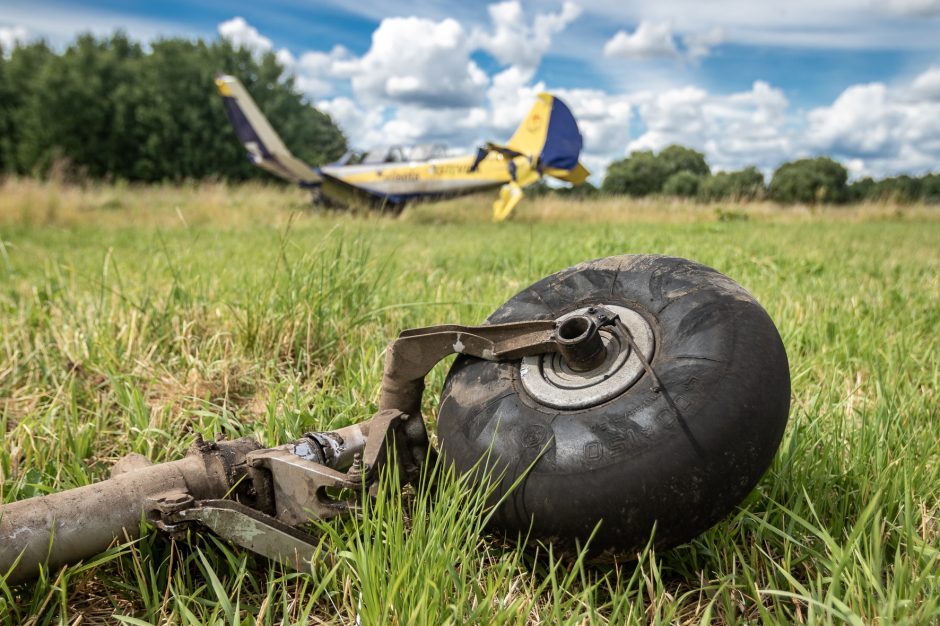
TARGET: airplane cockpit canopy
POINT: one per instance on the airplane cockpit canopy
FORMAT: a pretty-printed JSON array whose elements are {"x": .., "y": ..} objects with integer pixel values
[
  {"x": 427, "y": 151},
  {"x": 376, "y": 156},
  {"x": 394, "y": 154},
  {"x": 351, "y": 157}
]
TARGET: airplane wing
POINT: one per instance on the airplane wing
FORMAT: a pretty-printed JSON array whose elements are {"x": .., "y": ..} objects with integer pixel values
[{"x": 264, "y": 146}]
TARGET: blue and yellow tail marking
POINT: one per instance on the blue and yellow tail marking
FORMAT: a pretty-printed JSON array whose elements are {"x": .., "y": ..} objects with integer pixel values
[{"x": 547, "y": 143}]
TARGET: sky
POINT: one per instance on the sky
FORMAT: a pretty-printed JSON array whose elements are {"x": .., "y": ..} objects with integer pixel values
[{"x": 747, "y": 82}]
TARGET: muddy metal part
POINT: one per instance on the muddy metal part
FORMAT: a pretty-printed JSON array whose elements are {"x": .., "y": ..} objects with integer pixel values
[{"x": 256, "y": 497}]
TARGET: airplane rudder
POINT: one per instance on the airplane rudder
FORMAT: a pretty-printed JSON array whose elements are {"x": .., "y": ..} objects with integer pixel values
[
  {"x": 563, "y": 140},
  {"x": 531, "y": 134}
]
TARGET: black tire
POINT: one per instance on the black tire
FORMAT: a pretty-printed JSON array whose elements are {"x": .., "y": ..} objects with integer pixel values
[{"x": 681, "y": 457}]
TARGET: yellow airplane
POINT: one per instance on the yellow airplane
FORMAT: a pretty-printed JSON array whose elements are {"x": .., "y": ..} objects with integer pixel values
[{"x": 547, "y": 143}]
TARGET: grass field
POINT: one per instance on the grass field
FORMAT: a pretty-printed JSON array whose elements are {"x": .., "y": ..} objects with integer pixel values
[{"x": 134, "y": 319}]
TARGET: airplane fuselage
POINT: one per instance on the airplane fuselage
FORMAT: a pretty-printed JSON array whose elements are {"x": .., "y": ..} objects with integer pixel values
[{"x": 403, "y": 181}]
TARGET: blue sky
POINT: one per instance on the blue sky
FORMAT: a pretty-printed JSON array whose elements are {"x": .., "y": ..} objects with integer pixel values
[{"x": 747, "y": 82}]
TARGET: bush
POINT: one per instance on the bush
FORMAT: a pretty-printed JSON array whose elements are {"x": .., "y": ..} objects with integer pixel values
[
  {"x": 931, "y": 188},
  {"x": 682, "y": 185},
  {"x": 809, "y": 181},
  {"x": 640, "y": 174},
  {"x": 584, "y": 190},
  {"x": 681, "y": 159},
  {"x": 741, "y": 185},
  {"x": 643, "y": 173},
  {"x": 900, "y": 189},
  {"x": 863, "y": 190}
]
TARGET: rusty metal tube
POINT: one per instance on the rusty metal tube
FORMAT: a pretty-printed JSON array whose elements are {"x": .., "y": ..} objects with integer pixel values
[{"x": 80, "y": 523}]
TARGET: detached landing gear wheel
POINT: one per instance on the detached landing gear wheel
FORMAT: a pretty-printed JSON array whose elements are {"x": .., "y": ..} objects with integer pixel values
[{"x": 673, "y": 428}]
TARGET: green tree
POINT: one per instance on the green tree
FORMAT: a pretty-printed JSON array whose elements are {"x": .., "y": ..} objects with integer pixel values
[
  {"x": 809, "y": 181},
  {"x": 681, "y": 159},
  {"x": 639, "y": 174},
  {"x": 643, "y": 172},
  {"x": 78, "y": 111},
  {"x": 109, "y": 108},
  {"x": 740, "y": 185},
  {"x": 17, "y": 97},
  {"x": 682, "y": 184},
  {"x": 902, "y": 189},
  {"x": 862, "y": 190},
  {"x": 931, "y": 188}
]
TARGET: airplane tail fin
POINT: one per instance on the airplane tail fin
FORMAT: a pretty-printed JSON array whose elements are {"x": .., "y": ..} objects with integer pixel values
[
  {"x": 264, "y": 146},
  {"x": 549, "y": 133},
  {"x": 547, "y": 143}
]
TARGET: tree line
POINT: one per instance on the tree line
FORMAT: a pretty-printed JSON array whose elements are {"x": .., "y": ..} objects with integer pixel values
[
  {"x": 109, "y": 108},
  {"x": 682, "y": 172}
]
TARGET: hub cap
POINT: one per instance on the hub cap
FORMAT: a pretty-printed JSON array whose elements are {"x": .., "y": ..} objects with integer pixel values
[{"x": 550, "y": 381}]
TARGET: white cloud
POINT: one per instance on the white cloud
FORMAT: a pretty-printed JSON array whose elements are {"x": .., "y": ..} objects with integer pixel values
[
  {"x": 10, "y": 35},
  {"x": 337, "y": 63},
  {"x": 889, "y": 129},
  {"x": 650, "y": 40},
  {"x": 854, "y": 24},
  {"x": 927, "y": 85},
  {"x": 874, "y": 128},
  {"x": 919, "y": 8},
  {"x": 360, "y": 125},
  {"x": 653, "y": 40},
  {"x": 745, "y": 128},
  {"x": 860, "y": 122},
  {"x": 373, "y": 126},
  {"x": 510, "y": 97},
  {"x": 674, "y": 116},
  {"x": 856, "y": 168},
  {"x": 515, "y": 42},
  {"x": 243, "y": 35},
  {"x": 698, "y": 45},
  {"x": 603, "y": 119},
  {"x": 316, "y": 73},
  {"x": 421, "y": 62}
]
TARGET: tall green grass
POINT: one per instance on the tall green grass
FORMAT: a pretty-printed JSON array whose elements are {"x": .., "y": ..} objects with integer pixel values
[{"x": 137, "y": 326}]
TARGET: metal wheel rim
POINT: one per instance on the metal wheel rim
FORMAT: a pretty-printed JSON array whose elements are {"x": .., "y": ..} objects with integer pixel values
[{"x": 552, "y": 383}]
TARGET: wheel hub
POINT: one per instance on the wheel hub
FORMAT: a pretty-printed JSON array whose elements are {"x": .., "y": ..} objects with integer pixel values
[{"x": 552, "y": 382}]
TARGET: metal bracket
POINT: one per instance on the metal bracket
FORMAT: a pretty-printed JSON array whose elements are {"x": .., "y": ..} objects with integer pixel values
[
  {"x": 161, "y": 507},
  {"x": 301, "y": 487},
  {"x": 410, "y": 357},
  {"x": 250, "y": 529}
]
